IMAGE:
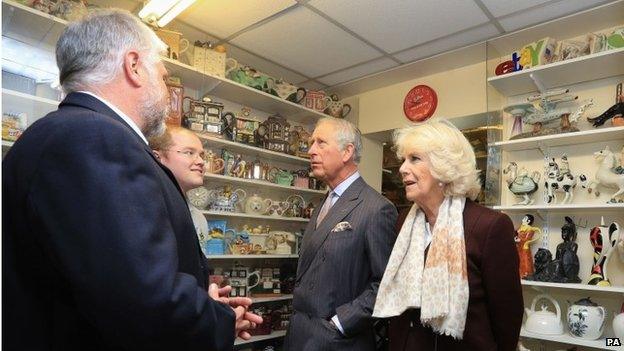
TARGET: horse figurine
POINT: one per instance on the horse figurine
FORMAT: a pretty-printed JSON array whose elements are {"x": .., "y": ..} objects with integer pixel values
[
  {"x": 559, "y": 180},
  {"x": 609, "y": 174},
  {"x": 520, "y": 183}
]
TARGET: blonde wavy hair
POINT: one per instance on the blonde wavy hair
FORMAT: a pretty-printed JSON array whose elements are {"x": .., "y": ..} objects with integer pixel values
[{"x": 452, "y": 158}]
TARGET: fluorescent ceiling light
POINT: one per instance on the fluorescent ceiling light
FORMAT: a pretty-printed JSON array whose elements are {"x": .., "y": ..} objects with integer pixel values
[{"x": 161, "y": 12}]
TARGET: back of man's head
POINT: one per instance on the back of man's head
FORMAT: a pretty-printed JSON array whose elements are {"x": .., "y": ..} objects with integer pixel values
[{"x": 90, "y": 52}]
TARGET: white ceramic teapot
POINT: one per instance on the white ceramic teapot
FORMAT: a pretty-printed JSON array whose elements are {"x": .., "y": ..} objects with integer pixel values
[
  {"x": 618, "y": 324},
  {"x": 544, "y": 321},
  {"x": 586, "y": 319},
  {"x": 257, "y": 205}
]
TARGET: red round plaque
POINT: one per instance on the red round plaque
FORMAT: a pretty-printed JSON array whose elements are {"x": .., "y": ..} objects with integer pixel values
[{"x": 420, "y": 103}]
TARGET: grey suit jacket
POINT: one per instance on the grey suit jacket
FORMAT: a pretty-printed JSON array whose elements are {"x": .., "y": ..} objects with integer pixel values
[{"x": 339, "y": 272}]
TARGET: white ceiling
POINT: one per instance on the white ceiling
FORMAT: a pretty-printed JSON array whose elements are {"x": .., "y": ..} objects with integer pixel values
[{"x": 323, "y": 43}]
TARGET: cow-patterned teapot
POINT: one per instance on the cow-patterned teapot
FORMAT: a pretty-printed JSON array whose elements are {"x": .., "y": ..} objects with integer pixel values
[{"x": 336, "y": 108}]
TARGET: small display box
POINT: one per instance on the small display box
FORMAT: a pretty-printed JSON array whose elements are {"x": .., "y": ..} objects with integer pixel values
[{"x": 204, "y": 116}]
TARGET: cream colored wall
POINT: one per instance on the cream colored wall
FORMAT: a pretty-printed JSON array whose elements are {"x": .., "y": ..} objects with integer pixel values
[{"x": 460, "y": 92}]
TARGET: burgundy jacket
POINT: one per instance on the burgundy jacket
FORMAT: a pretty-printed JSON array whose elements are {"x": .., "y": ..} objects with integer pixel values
[{"x": 495, "y": 304}]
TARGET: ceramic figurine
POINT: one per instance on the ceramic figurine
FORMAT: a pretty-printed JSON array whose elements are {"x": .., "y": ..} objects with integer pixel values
[
  {"x": 559, "y": 180},
  {"x": 610, "y": 174},
  {"x": 224, "y": 199},
  {"x": 520, "y": 183},
  {"x": 586, "y": 319},
  {"x": 547, "y": 112},
  {"x": 616, "y": 111},
  {"x": 603, "y": 239},
  {"x": 565, "y": 267},
  {"x": 525, "y": 236}
]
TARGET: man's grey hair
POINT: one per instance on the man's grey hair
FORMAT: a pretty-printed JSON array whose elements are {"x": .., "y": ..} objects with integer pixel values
[
  {"x": 346, "y": 133},
  {"x": 91, "y": 51}
]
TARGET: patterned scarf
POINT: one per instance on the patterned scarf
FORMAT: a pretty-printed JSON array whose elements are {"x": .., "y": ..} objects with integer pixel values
[{"x": 438, "y": 287}]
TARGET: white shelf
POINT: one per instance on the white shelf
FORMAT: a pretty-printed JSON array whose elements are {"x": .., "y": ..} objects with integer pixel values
[
  {"x": 229, "y": 90},
  {"x": 246, "y": 215},
  {"x": 581, "y": 69},
  {"x": 7, "y": 144},
  {"x": 576, "y": 138},
  {"x": 567, "y": 339},
  {"x": 30, "y": 26},
  {"x": 583, "y": 287},
  {"x": 274, "y": 335},
  {"x": 34, "y": 106},
  {"x": 253, "y": 151},
  {"x": 600, "y": 208},
  {"x": 271, "y": 299},
  {"x": 40, "y": 29},
  {"x": 238, "y": 257},
  {"x": 260, "y": 183}
]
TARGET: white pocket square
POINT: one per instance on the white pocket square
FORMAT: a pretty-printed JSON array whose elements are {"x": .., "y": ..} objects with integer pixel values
[{"x": 341, "y": 227}]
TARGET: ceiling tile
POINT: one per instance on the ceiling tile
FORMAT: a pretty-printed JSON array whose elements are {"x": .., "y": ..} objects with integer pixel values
[
  {"x": 263, "y": 65},
  {"x": 306, "y": 42},
  {"x": 503, "y": 7},
  {"x": 458, "y": 40},
  {"x": 394, "y": 25},
  {"x": 358, "y": 71},
  {"x": 224, "y": 18},
  {"x": 548, "y": 12}
]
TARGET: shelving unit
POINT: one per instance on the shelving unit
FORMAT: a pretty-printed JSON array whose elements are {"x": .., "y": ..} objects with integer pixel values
[
  {"x": 274, "y": 335},
  {"x": 253, "y": 150},
  {"x": 581, "y": 69},
  {"x": 585, "y": 208},
  {"x": 246, "y": 215},
  {"x": 248, "y": 257},
  {"x": 592, "y": 75},
  {"x": 567, "y": 339},
  {"x": 30, "y": 26},
  {"x": 217, "y": 178},
  {"x": 235, "y": 92},
  {"x": 576, "y": 138},
  {"x": 577, "y": 287},
  {"x": 284, "y": 297},
  {"x": 7, "y": 144}
]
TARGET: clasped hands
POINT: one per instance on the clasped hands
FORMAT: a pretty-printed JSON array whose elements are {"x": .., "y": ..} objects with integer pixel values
[{"x": 244, "y": 320}]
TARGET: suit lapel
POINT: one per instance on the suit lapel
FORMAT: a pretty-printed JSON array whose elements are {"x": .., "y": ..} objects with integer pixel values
[{"x": 314, "y": 238}]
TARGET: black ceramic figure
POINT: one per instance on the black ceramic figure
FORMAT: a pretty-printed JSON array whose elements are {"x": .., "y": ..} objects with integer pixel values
[
  {"x": 566, "y": 253},
  {"x": 565, "y": 267}
]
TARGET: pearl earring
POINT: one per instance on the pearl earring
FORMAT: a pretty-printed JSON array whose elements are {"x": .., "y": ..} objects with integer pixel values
[{"x": 440, "y": 184}]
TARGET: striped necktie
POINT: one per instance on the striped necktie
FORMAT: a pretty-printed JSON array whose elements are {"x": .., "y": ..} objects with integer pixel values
[{"x": 325, "y": 209}]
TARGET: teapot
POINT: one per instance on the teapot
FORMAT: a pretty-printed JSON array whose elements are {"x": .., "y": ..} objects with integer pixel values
[
  {"x": 257, "y": 205},
  {"x": 213, "y": 164},
  {"x": 280, "y": 176},
  {"x": 277, "y": 208},
  {"x": 586, "y": 319},
  {"x": 289, "y": 92},
  {"x": 302, "y": 178},
  {"x": 225, "y": 199},
  {"x": 618, "y": 324},
  {"x": 176, "y": 45},
  {"x": 249, "y": 76},
  {"x": 280, "y": 243},
  {"x": 544, "y": 321},
  {"x": 335, "y": 108}
]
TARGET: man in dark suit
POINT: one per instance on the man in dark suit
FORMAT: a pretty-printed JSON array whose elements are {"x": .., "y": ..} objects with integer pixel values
[
  {"x": 98, "y": 248},
  {"x": 345, "y": 249}
]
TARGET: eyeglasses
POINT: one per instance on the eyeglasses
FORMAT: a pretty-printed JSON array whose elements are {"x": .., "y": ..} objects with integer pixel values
[{"x": 191, "y": 154}]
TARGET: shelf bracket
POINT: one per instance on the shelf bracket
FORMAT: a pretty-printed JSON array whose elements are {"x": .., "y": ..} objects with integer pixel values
[{"x": 538, "y": 83}]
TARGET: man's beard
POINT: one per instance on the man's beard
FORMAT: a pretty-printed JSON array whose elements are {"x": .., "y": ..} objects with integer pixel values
[{"x": 154, "y": 109}]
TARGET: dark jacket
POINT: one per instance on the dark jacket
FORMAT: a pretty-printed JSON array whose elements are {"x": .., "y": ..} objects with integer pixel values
[
  {"x": 339, "y": 273},
  {"x": 99, "y": 251},
  {"x": 495, "y": 304}
]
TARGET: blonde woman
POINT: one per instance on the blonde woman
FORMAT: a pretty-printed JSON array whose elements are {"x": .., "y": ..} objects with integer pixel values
[{"x": 452, "y": 279}]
